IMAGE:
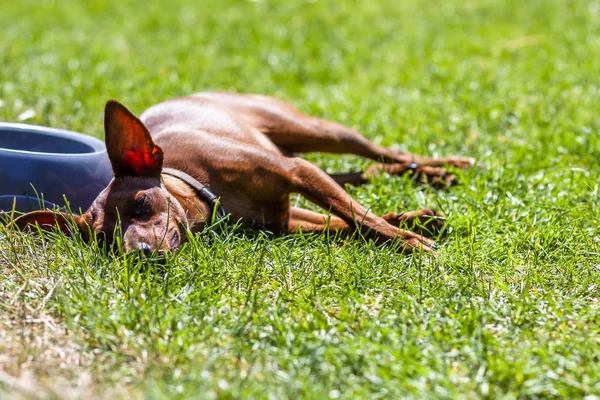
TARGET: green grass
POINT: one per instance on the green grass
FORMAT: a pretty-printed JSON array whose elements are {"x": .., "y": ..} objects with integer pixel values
[{"x": 511, "y": 307}]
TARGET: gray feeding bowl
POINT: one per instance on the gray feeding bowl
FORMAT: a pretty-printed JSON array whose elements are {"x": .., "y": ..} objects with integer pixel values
[{"x": 44, "y": 163}]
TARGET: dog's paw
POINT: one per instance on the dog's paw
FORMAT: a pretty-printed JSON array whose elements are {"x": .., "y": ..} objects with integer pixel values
[
  {"x": 412, "y": 242},
  {"x": 426, "y": 222},
  {"x": 437, "y": 177},
  {"x": 443, "y": 182}
]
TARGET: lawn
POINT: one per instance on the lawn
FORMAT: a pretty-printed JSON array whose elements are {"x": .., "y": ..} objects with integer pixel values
[{"x": 510, "y": 308}]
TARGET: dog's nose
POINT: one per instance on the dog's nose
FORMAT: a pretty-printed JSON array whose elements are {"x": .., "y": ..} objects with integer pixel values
[{"x": 144, "y": 248}]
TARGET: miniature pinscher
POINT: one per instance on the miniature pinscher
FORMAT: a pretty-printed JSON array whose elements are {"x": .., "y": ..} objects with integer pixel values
[{"x": 234, "y": 154}]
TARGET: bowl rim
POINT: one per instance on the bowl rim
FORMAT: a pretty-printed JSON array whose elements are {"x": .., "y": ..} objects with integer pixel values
[{"x": 96, "y": 144}]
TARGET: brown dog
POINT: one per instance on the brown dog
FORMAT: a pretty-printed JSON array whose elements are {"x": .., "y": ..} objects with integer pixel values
[{"x": 240, "y": 147}]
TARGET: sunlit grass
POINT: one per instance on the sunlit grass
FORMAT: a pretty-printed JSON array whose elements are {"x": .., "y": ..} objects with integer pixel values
[{"x": 511, "y": 306}]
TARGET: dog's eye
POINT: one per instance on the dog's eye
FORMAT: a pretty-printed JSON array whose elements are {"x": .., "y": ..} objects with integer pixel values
[{"x": 141, "y": 206}]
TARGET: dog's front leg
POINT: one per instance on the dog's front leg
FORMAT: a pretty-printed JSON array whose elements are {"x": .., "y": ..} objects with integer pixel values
[{"x": 314, "y": 184}]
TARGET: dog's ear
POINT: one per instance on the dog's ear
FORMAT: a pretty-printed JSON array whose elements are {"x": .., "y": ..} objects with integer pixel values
[
  {"x": 48, "y": 220},
  {"x": 130, "y": 147}
]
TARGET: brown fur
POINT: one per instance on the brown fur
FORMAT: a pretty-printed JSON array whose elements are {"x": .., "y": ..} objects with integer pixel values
[{"x": 242, "y": 148}]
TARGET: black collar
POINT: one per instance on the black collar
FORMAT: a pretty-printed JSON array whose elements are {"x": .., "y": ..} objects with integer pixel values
[{"x": 202, "y": 190}]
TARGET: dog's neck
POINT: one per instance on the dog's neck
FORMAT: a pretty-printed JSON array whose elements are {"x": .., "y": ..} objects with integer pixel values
[{"x": 197, "y": 208}]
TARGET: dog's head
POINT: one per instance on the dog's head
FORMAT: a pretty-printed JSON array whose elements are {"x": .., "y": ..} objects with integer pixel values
[{"x": 135, "y": 204}]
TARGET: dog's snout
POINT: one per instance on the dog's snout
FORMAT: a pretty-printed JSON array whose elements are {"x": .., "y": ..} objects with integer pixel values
[{"x": 144, "y": 248}]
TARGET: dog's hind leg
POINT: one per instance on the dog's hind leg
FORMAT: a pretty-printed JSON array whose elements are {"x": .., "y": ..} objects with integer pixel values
[
  {"x": 295, "y": 132},
  {"x": 303, "y": 134},
  {"x": 318, "y": 187}
]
